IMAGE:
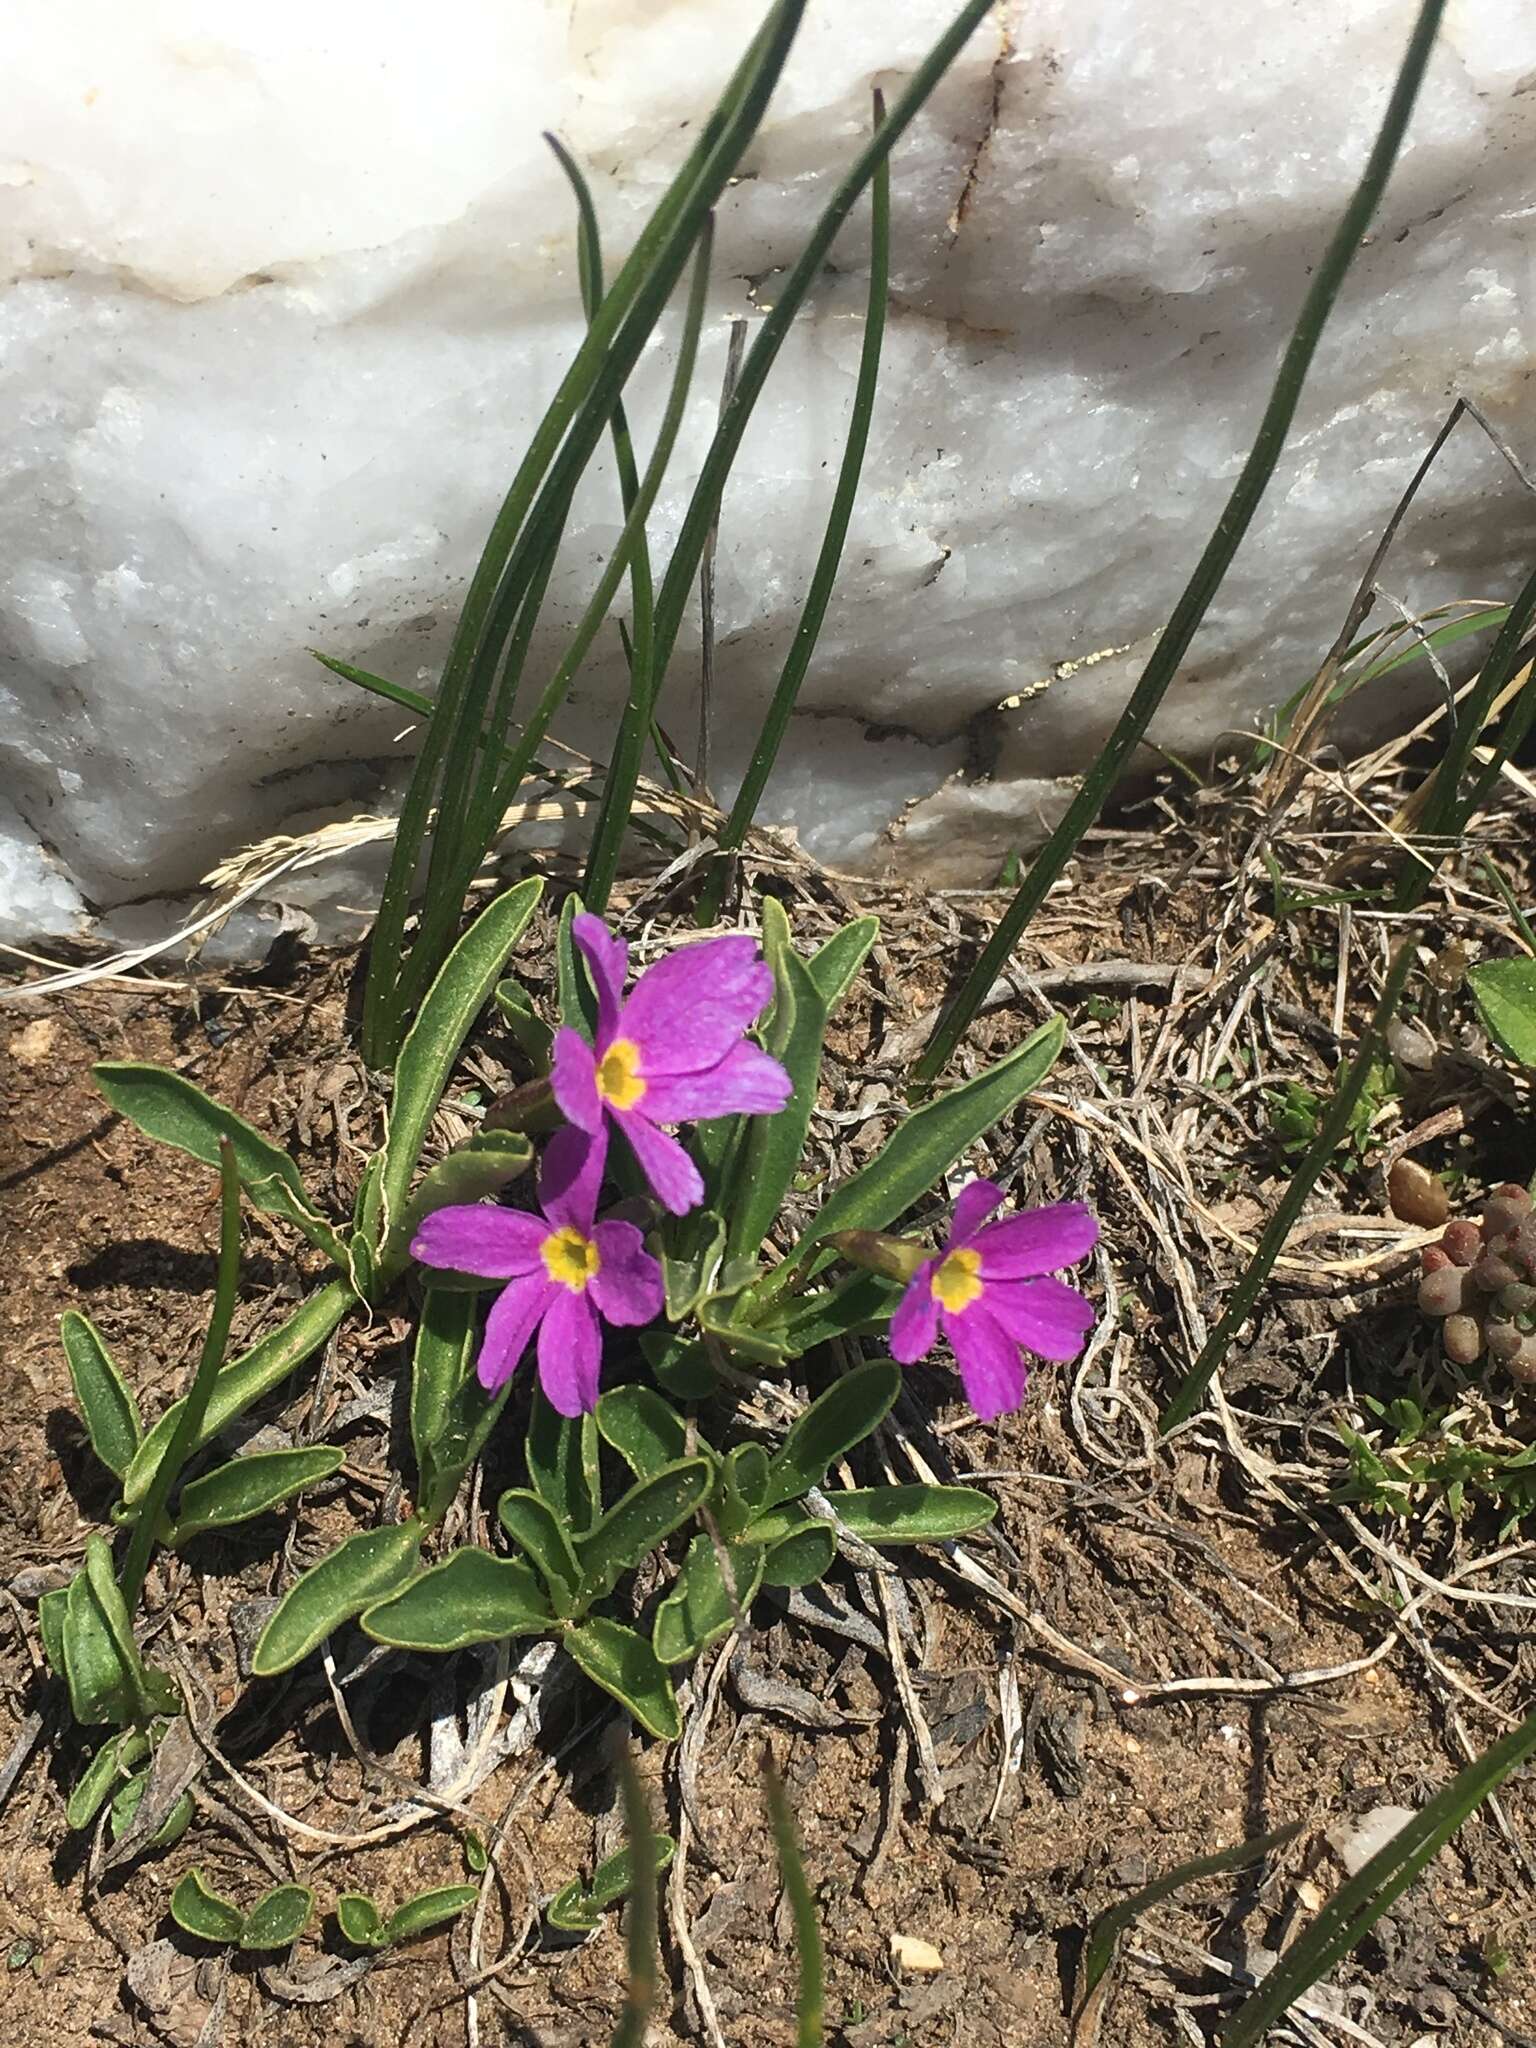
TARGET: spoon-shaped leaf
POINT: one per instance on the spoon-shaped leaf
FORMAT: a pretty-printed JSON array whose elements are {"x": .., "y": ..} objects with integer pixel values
[
  {"x": 110, "y": 1413},
  {"x": 624, "y": 1664},
  {"x": 471, "y": 1597},
  {"x": 198, "y": 1910},
  {"x": 635, "y": 1524},
  {"x": 278, "y": 1917},
  {"x": 250, "y": 1486},
  {"x": 341, "y": 1585},
  {"x": 835, "y": 1421}
]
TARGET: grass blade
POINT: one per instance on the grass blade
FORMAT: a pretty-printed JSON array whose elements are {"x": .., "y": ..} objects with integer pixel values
[
  {"x": 1358, "y": 1904},
  {"x": 640, "y": 1916},
  {"x": 555, "y": 458},
  {"x": 776, "y": 722},
  {"x": 1236, "y": 516},
  {"x": 810, "y": 1997},
  {"x": 703, "y": 508},
  {"x": 1330, "y": 1135}
]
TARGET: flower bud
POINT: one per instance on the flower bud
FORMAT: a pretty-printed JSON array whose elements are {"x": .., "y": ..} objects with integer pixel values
[
  {"x": 1462, "y": 1340},
  {"x": 898, "y": 1258}
]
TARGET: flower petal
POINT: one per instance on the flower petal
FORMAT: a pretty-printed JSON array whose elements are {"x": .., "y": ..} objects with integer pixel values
[
  {"x": 672, "y": 1174},
  {"x": 687, "y": 1010},
  {"x": 1039, "y": 1241},
  {"x": 1046, "y": 1316},
  {"x": 570, "y": 1177},
  {"x": 570, "y": 1353},
  {"x": 973, "y": 1205},
  {"x": 627, "y": 1286},
  {"x": 991, "y": 1364},
  {"x": 513, "y": 1318},
  {"x": 477, "y": 1237},
  {"x": 573, "y": 1077},
  {"x": 748, "y": 1081},
  {"x": 608, "y": 959},
  {"x": 915, "y": 1325}
]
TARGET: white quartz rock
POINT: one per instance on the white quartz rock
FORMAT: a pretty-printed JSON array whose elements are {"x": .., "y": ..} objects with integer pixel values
[{"x": 288, "y": 288}]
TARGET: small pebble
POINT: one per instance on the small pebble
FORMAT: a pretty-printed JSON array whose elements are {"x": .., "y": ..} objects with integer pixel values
[{"x": 1417, "y": 1195}]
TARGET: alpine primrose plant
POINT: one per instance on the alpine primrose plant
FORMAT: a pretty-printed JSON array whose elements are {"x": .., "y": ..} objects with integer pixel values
[{"x": 653, "y": 1280}]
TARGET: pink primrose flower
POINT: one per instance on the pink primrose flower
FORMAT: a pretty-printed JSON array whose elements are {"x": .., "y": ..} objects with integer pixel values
[
  {"x": 989, "y": 1294},
  {"x": 674, "y": 1051},
  {"x": 566, "y": 1273}
]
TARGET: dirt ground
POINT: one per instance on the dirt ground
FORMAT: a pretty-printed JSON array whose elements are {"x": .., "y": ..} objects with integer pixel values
[{"x": 1177, "y": 1645}]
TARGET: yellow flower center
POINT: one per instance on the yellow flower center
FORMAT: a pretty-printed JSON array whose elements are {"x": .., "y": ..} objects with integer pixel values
[
  {"x": 569, "y": 1258},
  {"x": 618, "y": 1074},
  {"x": 957, "y": 1282}
]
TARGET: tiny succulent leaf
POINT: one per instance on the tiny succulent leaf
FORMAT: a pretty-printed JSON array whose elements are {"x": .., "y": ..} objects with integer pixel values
[
  {"x": 250, "y": 1486},
  {"x": 244, "y": 1381},
  {"x": 699, "y": 1609},
  {"x": 471, "y": 1597},
  {"x": 646, "y": 1431},
  {"x": 624, "y": 1665},
  {"x": 198, "y": 1910},
  {"x": 278, "y": 1917},
  {"x": 837, "y": 1420},
  {"x": 535, "y": 1529},
  {"x": 515, "y": 1007},
  {"x": 461, "y": 990},
  {"x": 340, "y": 1586},
  {"x": 644, "y": 1517},
  {"x": 428, "y": 1910},
  {"x": 109, "y": 1411},
  {"x": 358, "y": 1918},
  {"x": 167, "y": 1107}
]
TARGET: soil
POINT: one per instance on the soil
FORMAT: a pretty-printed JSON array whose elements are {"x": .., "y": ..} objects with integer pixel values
[{"x": 1194, "y": 1643}]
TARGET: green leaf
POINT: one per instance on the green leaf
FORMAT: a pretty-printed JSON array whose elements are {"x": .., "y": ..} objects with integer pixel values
[
  {"x": 118, "y": 1754},
  {"x": 477, "y": 1858},
  {"x": 536, "y": 1530},
  {"x": 834, "y": 966},
  {"x": 278, "y": 1917},
  {"x": 50, "y": 1626},
  {"x": 525, "y": 1024},
  {"x": 1505, "y": 994},
  {"x": 440, "y": 1364},
  {"x": 244, "y": 1381},
  {"x": 837, "y": 1420},
  {"x": 198, "y": 1910},
  {"x": 358, "y": 1918},
  {"x": 681, "y": 1365},
  {"x": 126, "y": 1803},
  {"x": 109, "y": 1410},
  {"x": 577, "y": 1908},
  {"x": 644, "y": 1517},
  {"x": 768, "y": 1157},
  {"x": 484, "y": 1164},
  {"x": 171, "y": 1110},
  {"x": 248, "y": 1487},
  {"x": 341, "y": 1585},
  {"x": 471, "y": 1597},
  {"x": 865, "y": 1303},
  {"x": 924, "y": 1145},
  {"x": 428, "y": 1910},
  {"x": 699, "y": 1611},
  {"x": 106, "y": 1675},
  {"x": 562, "y": 1463},
  {"x": 743, "y": 1488},
  {"x": 800, "y": 1556},
  {"x": 624, "y": 1664},
  {"x": 646, "y": 1431},
  {"x": 692, "y": 1248},
  {"x": 461, "y": 990},
  {"x": 573, "y": 987},
  {"x": 895, "y": 1514},
  {"x": 470, "y": 1417}
]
